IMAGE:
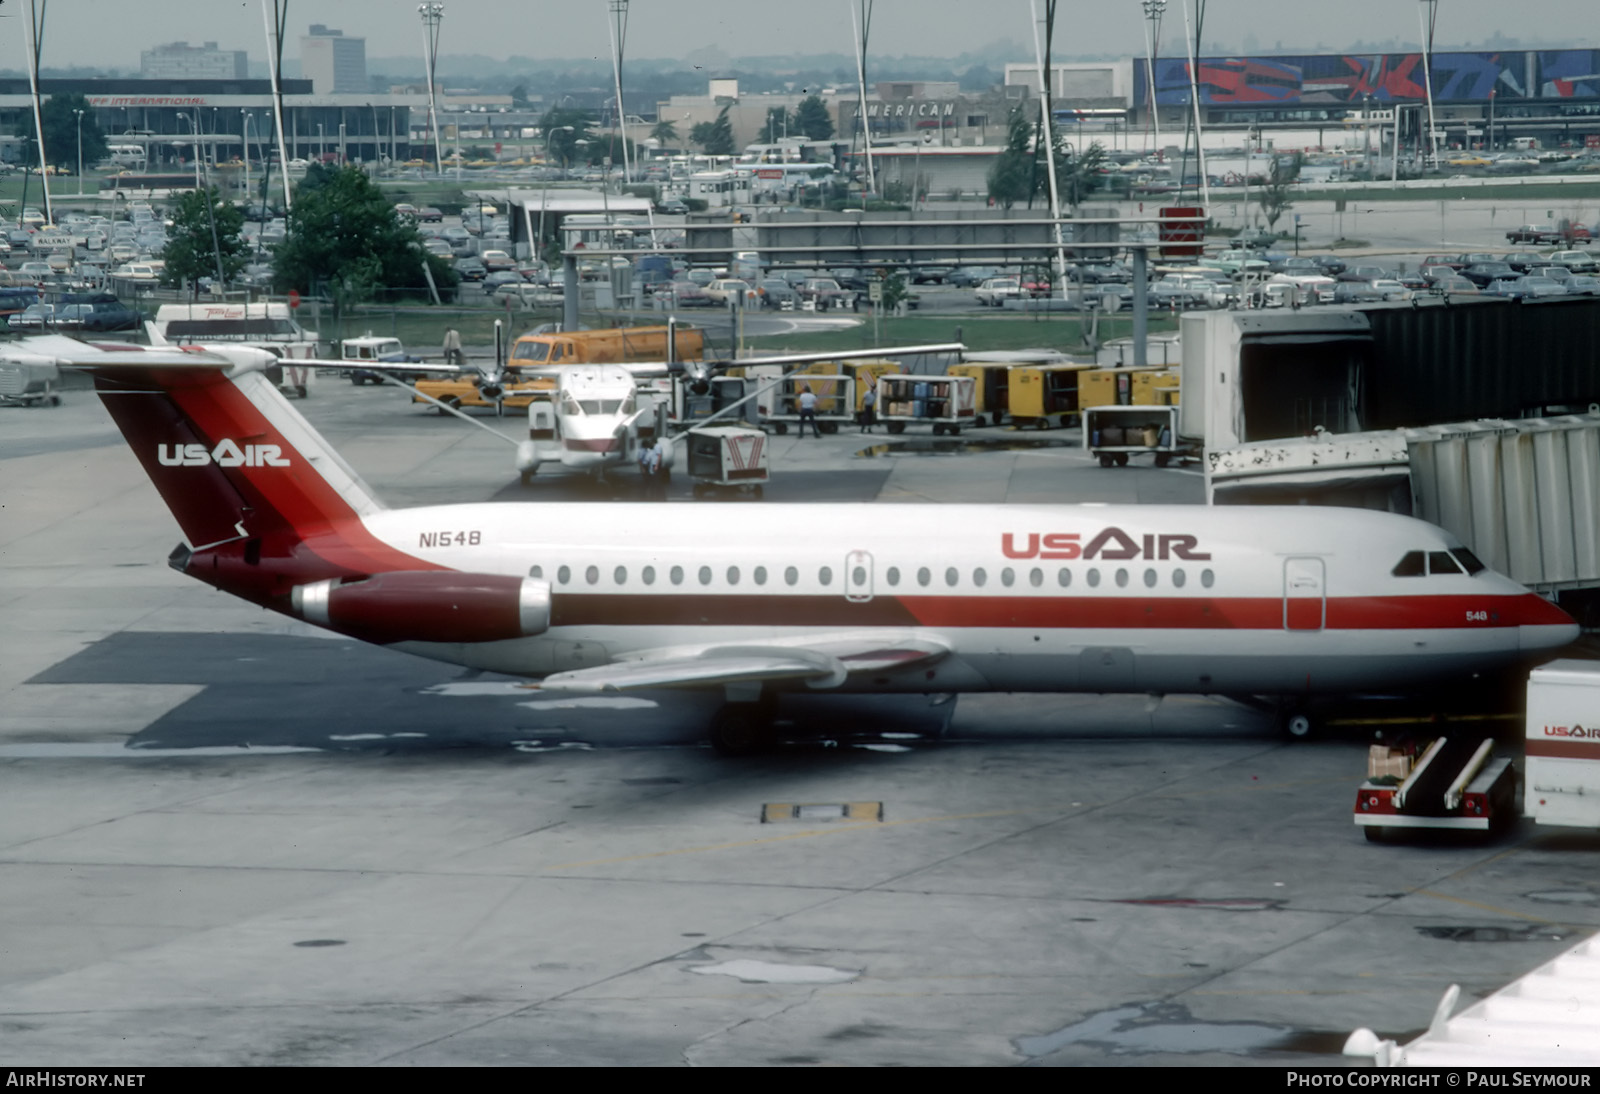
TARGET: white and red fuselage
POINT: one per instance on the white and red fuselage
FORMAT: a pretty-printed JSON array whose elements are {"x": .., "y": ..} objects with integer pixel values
[{"x": 923, "y": 598}]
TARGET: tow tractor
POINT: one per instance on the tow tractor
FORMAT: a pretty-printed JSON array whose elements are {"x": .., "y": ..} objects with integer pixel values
[{"x": 1453, "y": 781}]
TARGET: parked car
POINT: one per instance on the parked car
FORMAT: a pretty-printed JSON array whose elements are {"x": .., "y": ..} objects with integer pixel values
[
  {"x": 1455, "y": 286},
  {"x": 1482, "y": 274},
  {"x": 825, "y": 293},
  {"x": 673, "y": 207},
  {"x": 496, "y": 260},
  {"x": 104, "y": 312},
  {"x": 33, "y": 317},
  {"x": 997, "y": 290},
  {"x": 1391, "y": 289},
  {"x": 1579, "y": 262},
  {"x": 528, "y": 295},
  {"x": 1533, "y": 233},
  {"x": 1365, "y": 273},
  {"x": 1523, "y": 261},
  {"x": 501, "y": 277},
  {"x": 725, "y": 291},
  {"x": 470, "y": 268},
  {"x": 777, "y": 293},
  {"x": 1583, "y": 285},
  {"x": 682, "y": 294},
  {"x": 1356, "y": 292},
  {"x": 970, "y": 277}
]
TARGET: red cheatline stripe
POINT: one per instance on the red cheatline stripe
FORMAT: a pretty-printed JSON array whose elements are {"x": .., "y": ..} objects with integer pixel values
[{"x": 1044, "y": 612}]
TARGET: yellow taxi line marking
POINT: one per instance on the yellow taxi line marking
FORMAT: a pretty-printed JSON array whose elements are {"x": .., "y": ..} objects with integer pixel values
[{"x": 1486, "y": 907}]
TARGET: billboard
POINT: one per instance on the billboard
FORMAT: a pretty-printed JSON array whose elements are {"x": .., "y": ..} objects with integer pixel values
[{"x": 1354, "y": 79}]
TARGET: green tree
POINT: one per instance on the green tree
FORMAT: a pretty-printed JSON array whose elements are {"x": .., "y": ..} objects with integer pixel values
[
  {"x": 346, "y": 239},
  {"x": 719, "y": 138},
  {"x": 665, "y": 133},
  {"x": 1277, "y": 197},
  {"x": 1076, "y": 175},
  {"x": 1011, "y": 176},
  {"x": 811, "y": 117},
  {"x": 519, "y": 97},
  {"x": 776, "y": 126},
  {"x": 205, "y": 236},
  {"x": 701, "y": 133},
  {"x": 563, "y": 129},
  {"x": 61, "y": 132}
]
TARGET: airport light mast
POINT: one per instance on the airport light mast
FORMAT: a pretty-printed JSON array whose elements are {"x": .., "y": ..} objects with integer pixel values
[
  {"x": 1429, "y": 15},
  {"x": 1153, "y": 11},
  {"x": 619, "y": 35},
  {"x": 431, "y": 14}
]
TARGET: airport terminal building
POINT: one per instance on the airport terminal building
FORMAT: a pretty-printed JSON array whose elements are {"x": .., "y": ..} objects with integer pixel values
[{"x": 164, "y": 114}]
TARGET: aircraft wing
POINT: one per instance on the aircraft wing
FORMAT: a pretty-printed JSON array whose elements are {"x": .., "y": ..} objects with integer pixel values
[{"x": 823, "y": 662}]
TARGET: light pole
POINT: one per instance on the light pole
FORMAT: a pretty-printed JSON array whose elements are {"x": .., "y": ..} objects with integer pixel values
[
  {"x": 322, "y": 148},
  {"x": 1153, "y": 11},
  {"x": 1429, "y": 14},
  {"x": 244, "y": 139},
  {"x": 619, "y": 34},
  {"x": 195, "y": 147},
  {"x": 431, "y": 14},
  {"x": 79, "y": 113}
]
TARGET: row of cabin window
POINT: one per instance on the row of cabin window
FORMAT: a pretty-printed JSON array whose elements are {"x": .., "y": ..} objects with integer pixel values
[{"x": 858, "y": 576}]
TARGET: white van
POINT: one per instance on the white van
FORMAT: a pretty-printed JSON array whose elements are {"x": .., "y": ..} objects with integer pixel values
[{"x": 266, "y": 324}]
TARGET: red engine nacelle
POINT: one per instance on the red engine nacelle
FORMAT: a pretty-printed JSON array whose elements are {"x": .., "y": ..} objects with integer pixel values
[{"x": 428, "y": 606}]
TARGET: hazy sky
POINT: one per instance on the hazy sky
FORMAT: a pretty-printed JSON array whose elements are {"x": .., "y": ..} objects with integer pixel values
[{"x": 111, "y": 33}]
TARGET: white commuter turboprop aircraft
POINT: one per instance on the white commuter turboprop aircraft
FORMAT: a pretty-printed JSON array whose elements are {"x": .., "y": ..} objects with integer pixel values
[
  {"x": 1247, "y": 602},
  {"x": 589, "y": 423}
]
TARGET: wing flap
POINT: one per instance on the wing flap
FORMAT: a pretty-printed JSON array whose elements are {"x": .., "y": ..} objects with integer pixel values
[{"x": 820, "y": 663}]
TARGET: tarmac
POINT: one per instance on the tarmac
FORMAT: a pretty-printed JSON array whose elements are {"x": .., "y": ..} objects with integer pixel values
[{"x": 229, "y": 839}]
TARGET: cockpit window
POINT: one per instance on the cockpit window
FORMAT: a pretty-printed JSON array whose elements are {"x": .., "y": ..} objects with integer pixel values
[
  {"x": 1437, "y": 563},
  {"x": 1415, "y": 564},
  {"x": 1468, "y": 560},
  {"x": 600, "y": 406},
  {"x": 1440, "y": 562}
]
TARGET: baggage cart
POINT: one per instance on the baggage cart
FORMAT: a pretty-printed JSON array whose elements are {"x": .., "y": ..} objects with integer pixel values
[
  {"x": 836, "y": 401},
  {"x": 1454, "y": 781},
  {"x": 29, "y": 383},
  {"x": 1113, "y": 433},
  {"x": 992, "y": 380},
  {"x": 1128, "y": 386},
  {"x": 945, "y": 402},
  {"x": 727, "y": 459},
  {"x": 1046, "y": 395}
]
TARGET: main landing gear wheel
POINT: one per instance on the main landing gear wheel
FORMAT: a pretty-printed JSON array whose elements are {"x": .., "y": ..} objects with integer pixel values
[
  {"x": 1373, "y": 833},
  {"x": 741, "y": 729},
  {"x": 1298, "y": 726}
]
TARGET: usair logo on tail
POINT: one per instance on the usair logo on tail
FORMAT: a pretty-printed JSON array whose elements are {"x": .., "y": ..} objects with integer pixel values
[{"x": 226, "y": 454}]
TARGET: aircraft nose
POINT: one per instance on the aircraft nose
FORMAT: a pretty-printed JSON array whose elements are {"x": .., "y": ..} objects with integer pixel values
[{"x": 1543, "y": 626}]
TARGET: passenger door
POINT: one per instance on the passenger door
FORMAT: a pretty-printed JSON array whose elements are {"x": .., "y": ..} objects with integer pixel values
[{"x": 1304, "y": 594}]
